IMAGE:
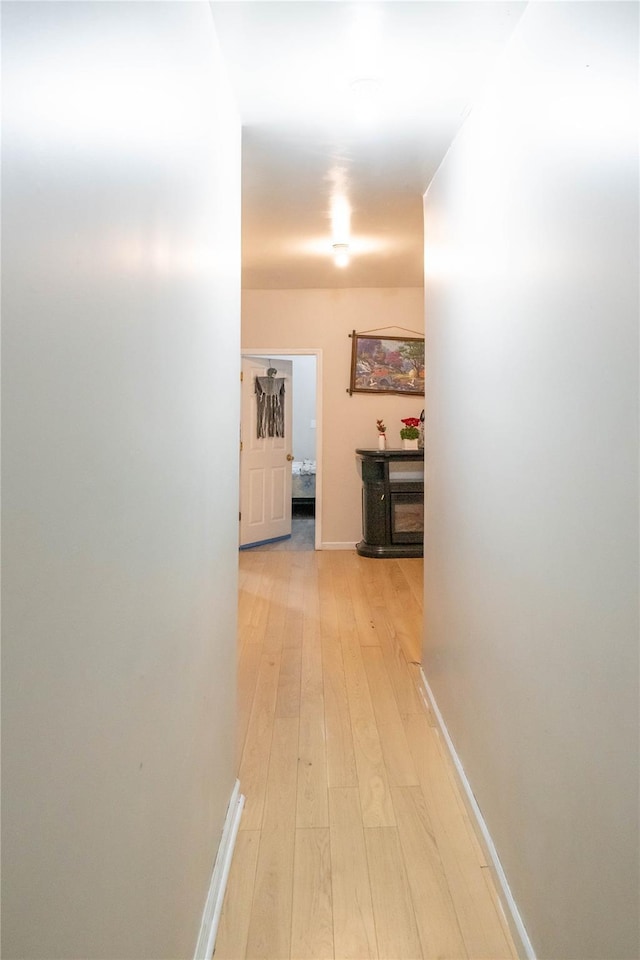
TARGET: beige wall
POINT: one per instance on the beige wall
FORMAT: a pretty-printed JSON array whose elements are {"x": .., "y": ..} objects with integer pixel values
[
  {"x": 121, "y": 189},
  {"x": 324, "y": 319},
  {"x": 531, "y": 564}
]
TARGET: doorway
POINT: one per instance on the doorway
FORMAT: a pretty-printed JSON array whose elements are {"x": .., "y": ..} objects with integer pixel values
[{"x": 306, "y": 445}]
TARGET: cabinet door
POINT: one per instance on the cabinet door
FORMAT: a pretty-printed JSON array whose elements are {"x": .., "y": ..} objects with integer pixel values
[
  {"x": 375, "y": 514},
  {"x": 407, "y": 517}
]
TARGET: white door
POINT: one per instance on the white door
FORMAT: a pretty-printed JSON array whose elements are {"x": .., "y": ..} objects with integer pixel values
[{"x": 265, "y": 463}]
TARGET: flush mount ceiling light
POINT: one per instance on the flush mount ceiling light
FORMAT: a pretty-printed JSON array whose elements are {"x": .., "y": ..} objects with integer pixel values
[
  {"x": 366, "y": 94},
  {"x": 366, "y": 88},
  {"x": 340, "y": 254},
  {"x": 340, "y": 214}
]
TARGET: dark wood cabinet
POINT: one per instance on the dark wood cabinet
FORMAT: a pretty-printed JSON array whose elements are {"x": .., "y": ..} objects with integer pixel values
[{"x": 392, "y": 503}]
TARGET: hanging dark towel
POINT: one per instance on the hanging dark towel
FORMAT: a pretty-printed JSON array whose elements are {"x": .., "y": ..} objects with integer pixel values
[{"x": 270, "y": 397}]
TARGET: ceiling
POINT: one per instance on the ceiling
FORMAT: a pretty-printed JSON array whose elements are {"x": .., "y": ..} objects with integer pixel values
[{"x": 349, "y": 108}]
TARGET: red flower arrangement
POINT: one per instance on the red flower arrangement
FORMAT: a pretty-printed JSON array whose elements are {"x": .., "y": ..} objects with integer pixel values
[{"x": 410, "y": 430}]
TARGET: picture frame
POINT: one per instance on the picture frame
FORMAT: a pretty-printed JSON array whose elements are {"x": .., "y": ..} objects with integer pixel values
[{"x": 387, "y": 365}]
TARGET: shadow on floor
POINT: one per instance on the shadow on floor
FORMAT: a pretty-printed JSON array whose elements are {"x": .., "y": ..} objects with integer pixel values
[{"x": 303, "y": 534}]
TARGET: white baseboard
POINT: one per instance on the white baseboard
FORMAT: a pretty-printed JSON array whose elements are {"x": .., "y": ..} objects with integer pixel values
[
  {"x": 525, "y": 947},
  {"x": 339, "y": 546},
  {"x": 219, "y": 877}
]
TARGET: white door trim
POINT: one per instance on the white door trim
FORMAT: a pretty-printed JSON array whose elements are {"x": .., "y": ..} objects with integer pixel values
[{"x": 304, "y": 352}]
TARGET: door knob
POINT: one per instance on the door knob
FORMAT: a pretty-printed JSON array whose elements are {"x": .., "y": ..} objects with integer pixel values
[{"x": 289, "y": 456}]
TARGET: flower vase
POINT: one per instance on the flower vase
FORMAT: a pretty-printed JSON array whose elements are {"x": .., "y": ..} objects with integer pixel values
[
  {"x": 409, "y": 444},
  {"x": 382, "y": 442}
]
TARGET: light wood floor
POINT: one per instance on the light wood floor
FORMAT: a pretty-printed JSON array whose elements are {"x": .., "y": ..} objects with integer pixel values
[{"x": 354, "y": 842}]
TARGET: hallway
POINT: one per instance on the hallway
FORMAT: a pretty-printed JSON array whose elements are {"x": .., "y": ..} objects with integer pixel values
[{"x": 354, "y": 842}]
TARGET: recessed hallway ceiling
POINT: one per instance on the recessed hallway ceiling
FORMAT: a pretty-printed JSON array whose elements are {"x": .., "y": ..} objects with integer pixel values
[{"x": 358, "y": 101}]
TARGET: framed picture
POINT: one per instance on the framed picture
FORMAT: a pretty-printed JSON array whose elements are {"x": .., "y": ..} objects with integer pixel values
[{"x": 387, "y": 365}]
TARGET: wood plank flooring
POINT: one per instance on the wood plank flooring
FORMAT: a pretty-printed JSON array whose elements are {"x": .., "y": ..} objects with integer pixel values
[{"x": 355, "y": 842}]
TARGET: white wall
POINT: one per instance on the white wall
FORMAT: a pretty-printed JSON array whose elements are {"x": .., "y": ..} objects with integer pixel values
[
  {"x": 272, "y": 317},
  {"x": 121, "y": 407},
  {"x": 531, "y": 567}
]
